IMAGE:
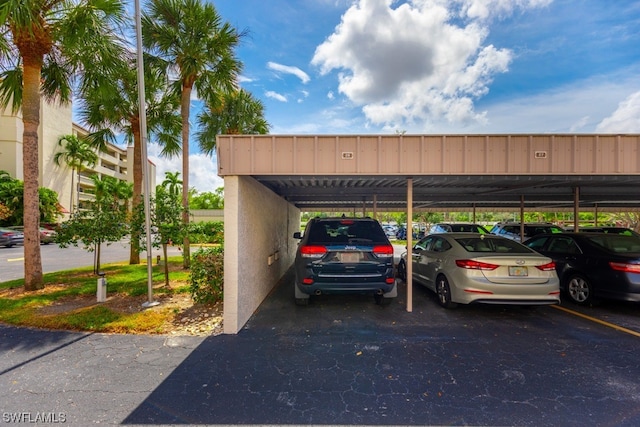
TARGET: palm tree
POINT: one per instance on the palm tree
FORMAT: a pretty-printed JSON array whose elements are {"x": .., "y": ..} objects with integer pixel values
[
  {"x": 43, "y": 44},
  {"x": 172, "y": 183},
  {"x": 233, "y": 113},
  {"x": 191, "y": 35},
  {"x": 76, "y": 154},
  {"x": 112, "y": 108}
]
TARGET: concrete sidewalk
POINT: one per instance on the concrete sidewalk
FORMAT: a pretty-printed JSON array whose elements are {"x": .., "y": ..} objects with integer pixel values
[{"x": 339, "y": 361}]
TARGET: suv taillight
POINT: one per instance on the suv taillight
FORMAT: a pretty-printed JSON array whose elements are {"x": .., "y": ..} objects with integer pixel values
[
  {"x": 313, "y": 251},
  {"x": 383, "y": 251}
]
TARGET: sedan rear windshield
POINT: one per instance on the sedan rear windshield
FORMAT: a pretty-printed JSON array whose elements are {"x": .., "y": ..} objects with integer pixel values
[
  {"x": 487, "y": 244},
  {"x": 617, "y": 243}
]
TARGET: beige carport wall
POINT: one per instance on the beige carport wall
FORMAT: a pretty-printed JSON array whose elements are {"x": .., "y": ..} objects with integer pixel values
[{"x": 271, "y": 179}]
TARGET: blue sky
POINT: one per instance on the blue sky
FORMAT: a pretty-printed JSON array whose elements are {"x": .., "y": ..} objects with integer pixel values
[{"x": 434, "y": 66}]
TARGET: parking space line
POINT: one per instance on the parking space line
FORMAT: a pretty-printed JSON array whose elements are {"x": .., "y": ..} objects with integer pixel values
[
  {"x": 602, "y": 322},
  {"x": 15, "y": 259}
]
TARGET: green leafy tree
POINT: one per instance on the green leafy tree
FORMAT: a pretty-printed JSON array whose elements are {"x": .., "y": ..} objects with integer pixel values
[
  {"x": 191, "y": 35},
  {"x": 168, "y": 220},
  {"x": 208, "y": 200},
  {"x": 12, "y": 200},
  {"x": 43, "y": 45},
  {"x": 232, "y": 113},
  {"x": 75, "y": 153},
  {"x": 112, "y": 109},
  {"x": 103, "y": 222}
]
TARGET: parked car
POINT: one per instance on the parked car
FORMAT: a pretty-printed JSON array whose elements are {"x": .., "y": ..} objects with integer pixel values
[
  {"x": 457, "y": 227},
  {"x": 469, "y": 268},
  {"x": 593, "y": 265},
  {"x": 46, "y": 235},
  {"x": 9, "y": 238},
  {"x": 344, "y": 255},
  {"x": 511, "y": 230},
  {"x": 606, "y": 229}
]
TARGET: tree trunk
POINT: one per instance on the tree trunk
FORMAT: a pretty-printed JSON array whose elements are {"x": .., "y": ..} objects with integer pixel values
[
  {"x": 166, "y": 265},
  {"x": 184, "y": 111},
  {"x": 73, "y": 173},
  {"x": 134, "y": 256},
  {"x": 31, "y": 119}
]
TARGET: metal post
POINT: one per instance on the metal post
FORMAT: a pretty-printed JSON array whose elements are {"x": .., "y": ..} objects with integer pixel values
[
  {"x": 409, "y": 245},
  {"x": 142, "y": 111}
]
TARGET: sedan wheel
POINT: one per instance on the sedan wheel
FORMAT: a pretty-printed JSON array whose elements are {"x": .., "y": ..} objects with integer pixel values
[
  {"x": 579, "y": 289},
  {"x": 443, "y": 292},
  {"x": 402, "y": 271}
]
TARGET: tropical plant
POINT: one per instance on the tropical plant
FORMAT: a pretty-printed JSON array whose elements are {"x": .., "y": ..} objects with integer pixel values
[
  {"x": 43, "y": 45},
  {"x": 76, "y": 154},
  {"x": 191, "y": 35},
  {"x": 172, "y": 183},
  {"x": 112, "y": 108},
  {"x": 232, "y": 113}
]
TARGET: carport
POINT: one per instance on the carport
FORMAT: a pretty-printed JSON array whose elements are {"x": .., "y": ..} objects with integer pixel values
[{"x": 271, "y": 179}]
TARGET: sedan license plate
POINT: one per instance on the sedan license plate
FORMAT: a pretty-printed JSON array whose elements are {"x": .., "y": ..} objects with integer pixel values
[
  {"x": 350, "y": 256},
  {"x": 518, "y": 271}
]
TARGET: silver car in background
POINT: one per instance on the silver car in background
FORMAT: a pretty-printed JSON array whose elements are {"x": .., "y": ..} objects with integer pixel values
[{"x": 466, "y": 268}]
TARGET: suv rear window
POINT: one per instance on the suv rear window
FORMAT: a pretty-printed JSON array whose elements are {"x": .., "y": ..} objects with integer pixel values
[{"x": 347, "y": 231}]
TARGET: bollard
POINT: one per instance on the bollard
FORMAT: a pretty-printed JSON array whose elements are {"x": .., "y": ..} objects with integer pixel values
[{"x": 102, "y": 288}]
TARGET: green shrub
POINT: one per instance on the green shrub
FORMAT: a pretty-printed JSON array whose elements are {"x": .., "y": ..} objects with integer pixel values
[
  {"x": 206, "y": 232},
  {"x": 207, "y": 275}
]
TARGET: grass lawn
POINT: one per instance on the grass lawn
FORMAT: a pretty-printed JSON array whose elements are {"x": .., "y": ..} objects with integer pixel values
[{"x": 69, "y": 300}]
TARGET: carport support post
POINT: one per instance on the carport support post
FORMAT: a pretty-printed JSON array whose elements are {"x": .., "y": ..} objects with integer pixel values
[
  {"x": 409, "y": 245},
  {"x": 576, "y": 209},
  {"x": 522, "y": 218}
]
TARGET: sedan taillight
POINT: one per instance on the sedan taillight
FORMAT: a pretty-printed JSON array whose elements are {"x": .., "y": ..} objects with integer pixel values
[
  {"x": 475, "y": 265},
  {"x": 547, "y": 267},
  {"x": 624, "y": 267},
  {"x": 313, "y": 251}
]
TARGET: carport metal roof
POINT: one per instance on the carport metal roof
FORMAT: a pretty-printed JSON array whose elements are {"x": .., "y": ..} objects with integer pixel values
[{"x": 448, "y": 172}]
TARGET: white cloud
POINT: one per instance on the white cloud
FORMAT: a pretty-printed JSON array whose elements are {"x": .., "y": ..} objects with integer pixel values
[
  {"x": 275, "y": 95},
  {"x": 626, "y": 118},
  {"x": 586, "y": 106},
  {"x": 304, "y": 77},
  {"x": 416, "y": 63},
  {"x": 203, "y": 170},
  {"x": 484, "y": 9}
]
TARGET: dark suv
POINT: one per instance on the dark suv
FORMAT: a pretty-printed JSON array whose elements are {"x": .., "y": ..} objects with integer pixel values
[{"x": 344, "y": 255}]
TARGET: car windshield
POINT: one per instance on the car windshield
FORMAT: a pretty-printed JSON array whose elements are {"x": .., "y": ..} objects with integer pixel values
[
  {"x": 347, "y": 231},
  {"x": 617, "y": 243},
  {"x": 487, "y": 244}
]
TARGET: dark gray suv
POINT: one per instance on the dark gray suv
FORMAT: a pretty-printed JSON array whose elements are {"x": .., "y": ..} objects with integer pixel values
[{"x": 344, "y": 255}]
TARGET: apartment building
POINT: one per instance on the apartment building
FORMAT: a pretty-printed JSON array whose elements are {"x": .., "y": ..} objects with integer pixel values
[{"x": 56, "y": 121}]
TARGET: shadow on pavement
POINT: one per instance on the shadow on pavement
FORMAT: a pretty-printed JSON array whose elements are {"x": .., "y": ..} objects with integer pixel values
[{"x": 345, "y": 361}]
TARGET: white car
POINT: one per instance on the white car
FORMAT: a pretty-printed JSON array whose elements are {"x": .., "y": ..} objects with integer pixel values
[{"x": 471, "y": 268}]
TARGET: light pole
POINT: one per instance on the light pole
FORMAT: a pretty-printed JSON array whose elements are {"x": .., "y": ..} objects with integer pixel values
[{"x": 142, "y": 111}]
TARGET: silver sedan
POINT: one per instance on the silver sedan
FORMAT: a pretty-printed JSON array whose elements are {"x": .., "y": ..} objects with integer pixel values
[{"x": 470, "y": 268}]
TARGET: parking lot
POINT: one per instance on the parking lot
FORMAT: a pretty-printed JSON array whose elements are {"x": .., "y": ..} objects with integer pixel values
[{"x": 344, "y": 360}]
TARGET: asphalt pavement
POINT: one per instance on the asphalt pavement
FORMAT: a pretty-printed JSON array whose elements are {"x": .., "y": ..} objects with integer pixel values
[{"x": 338, "y": 361}]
